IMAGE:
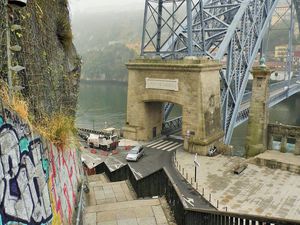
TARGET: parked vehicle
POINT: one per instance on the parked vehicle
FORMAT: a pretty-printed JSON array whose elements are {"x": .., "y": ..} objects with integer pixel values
[
  {"x": 106, "y": 140},
  {"x": 135, "y": 153}
]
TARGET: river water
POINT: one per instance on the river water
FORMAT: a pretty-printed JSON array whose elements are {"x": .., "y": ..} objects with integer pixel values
[{"x": 104, "y": 104}]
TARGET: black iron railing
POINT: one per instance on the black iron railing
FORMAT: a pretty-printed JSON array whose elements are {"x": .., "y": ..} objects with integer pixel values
[{"x": 160, "y": 183}]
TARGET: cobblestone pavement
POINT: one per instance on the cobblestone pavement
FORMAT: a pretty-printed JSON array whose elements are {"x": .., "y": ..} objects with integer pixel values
[{"x": 257, "y": 190}]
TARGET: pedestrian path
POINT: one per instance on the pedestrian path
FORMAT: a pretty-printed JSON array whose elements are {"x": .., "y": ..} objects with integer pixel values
[
  {"x": 258, "y": 190},
  {"x": 114, "y": 203},
  {"x": 165, "y": 145}
]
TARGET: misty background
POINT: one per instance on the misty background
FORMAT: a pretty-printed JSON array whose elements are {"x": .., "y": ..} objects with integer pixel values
[{"x": 107, "y": 34}]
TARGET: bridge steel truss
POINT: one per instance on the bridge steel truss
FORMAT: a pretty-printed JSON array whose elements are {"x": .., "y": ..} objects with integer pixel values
[{"x": 230, "y": 31}]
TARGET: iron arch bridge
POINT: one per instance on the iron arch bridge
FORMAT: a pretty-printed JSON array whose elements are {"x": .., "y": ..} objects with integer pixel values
[{"x": 230, "y": 31}]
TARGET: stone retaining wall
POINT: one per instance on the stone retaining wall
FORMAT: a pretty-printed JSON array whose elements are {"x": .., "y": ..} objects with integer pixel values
[{"x": 38, "y": 182}]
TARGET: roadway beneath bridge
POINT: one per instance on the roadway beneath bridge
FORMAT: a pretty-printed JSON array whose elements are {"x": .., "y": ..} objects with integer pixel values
[{"x": 158, "y": 154}]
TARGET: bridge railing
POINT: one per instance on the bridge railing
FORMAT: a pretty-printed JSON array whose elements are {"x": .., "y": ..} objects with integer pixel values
[
  {"x": 160, "y": 183},
  {"x": 172, "y": 125},
  {"x": 272, "y": 87},
  {"x": 175, "y": 124},
  {"x": 242, "y": 116}
]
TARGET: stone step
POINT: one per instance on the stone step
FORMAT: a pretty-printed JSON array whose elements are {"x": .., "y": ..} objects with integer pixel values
[
  {"x": 135, "y": 212},
  {"x": 101, "y": 193},
  {"x": 122, "y": 205},
  {"x": 98, "y": 177}
]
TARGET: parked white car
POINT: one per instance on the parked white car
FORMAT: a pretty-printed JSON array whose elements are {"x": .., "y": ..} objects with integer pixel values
[{"x": 135, "y": 153}]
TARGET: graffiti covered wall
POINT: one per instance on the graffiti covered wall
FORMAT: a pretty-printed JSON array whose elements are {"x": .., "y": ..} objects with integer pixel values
[{"x": 38, "y": 182}]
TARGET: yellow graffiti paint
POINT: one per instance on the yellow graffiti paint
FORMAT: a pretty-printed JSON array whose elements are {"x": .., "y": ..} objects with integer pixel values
[{"x": 56, "y": 217}]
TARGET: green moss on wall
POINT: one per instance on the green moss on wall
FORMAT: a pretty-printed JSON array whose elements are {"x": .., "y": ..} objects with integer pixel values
[{"x": 51, "y": 78}]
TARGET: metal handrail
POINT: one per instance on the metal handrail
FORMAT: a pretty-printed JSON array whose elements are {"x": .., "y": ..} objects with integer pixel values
[
  {"x": 79, "y": 212},
  {"x": 188, "y": 215}
]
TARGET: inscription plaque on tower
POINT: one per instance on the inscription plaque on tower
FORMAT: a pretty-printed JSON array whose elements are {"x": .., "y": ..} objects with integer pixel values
[{"x": 162, "y": 84}]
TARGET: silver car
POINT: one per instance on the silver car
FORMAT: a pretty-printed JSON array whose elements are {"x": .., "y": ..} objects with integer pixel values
[{"x": 135, "y": 153}]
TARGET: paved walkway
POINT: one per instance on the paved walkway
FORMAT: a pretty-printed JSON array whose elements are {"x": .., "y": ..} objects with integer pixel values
[
  {"x": 158, "y": 154},
  {"x": 257, "y": 190},
  {"x": 114, "y": 204}
]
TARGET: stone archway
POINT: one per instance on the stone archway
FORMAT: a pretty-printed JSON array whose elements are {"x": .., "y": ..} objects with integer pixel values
[{"x": 192, "y": 83}]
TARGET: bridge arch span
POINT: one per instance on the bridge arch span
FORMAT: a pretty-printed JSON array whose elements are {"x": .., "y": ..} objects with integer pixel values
[
  {"x": 162, "y": 98},
  {"x": 191, "y": 83}
]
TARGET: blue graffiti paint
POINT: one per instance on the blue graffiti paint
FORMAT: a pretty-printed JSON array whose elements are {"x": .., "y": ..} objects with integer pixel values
[
  {"x": 14, "y": 188},
  {"x": 24, "y": 143},
  {"x": 14, "y": 223},
  {"x": 1, "y": 123},
  {"x": 45, "y": 164},
  {"x": 27, "y": 164}
]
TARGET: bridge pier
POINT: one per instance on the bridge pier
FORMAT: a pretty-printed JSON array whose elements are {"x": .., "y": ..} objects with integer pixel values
[
  {"x": 256, "y": 141},
  {"x": 192, "y": 83}
]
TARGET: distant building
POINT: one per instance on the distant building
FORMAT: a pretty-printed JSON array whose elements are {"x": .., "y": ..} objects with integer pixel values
[
  {"x": 296, "y": 58},
  {"x": 280, "y": 53}
]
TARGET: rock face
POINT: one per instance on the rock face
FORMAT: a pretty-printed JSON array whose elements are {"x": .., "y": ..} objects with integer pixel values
[
  {"x": 52, "y": 72},
  {"x": 39, "y": 181}
]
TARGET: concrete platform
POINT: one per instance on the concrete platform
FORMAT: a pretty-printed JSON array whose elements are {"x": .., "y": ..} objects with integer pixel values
[
  {"x": 98, "y": 178},
  {"x": 279, "y": 160},
  {"x": 257, "y": 190},
  {"x": 101, "y": 193},
  {"x": 136, "y": 212},
  {"x": 126, "y": 142}
]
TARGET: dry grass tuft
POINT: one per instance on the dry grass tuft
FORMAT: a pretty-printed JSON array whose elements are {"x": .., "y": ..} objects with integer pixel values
[
  {"x": 17, "y": 103},
  {"x": 4, "y": 92},
  {"x": 21, "y": 107},
  {"x": 58, "y": 129}
]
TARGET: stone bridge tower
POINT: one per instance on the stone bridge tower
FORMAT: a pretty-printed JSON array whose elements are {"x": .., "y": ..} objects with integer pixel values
[
  {"x": 192, "y": 83},
  {"x": 256, "y": 141}
]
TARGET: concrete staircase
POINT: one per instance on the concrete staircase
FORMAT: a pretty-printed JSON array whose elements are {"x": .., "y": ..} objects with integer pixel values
[
  {"x": 113, "y": 203},
  {"x": 98, "y": 178}
]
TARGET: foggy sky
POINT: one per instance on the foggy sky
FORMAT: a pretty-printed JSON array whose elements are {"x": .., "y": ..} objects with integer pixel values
[{"x": 95, "y": 6}]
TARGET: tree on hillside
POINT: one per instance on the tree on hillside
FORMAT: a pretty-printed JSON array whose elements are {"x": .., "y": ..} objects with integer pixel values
[{"x": 108, "y": 63}]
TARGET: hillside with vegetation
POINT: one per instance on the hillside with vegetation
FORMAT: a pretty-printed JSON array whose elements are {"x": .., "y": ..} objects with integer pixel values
[
  {"x": 107, "y": 64},
  {"x": 108, "y": 39},
  {"x": 107, "y": 43}
]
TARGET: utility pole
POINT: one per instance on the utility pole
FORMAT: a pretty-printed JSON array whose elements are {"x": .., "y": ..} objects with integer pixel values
[
  {"x": 197, "y": 164},
  {"x": 8, "y": 50}
]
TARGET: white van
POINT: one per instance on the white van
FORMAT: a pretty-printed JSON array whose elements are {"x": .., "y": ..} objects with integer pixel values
[{"x": 106, "y": 140}]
